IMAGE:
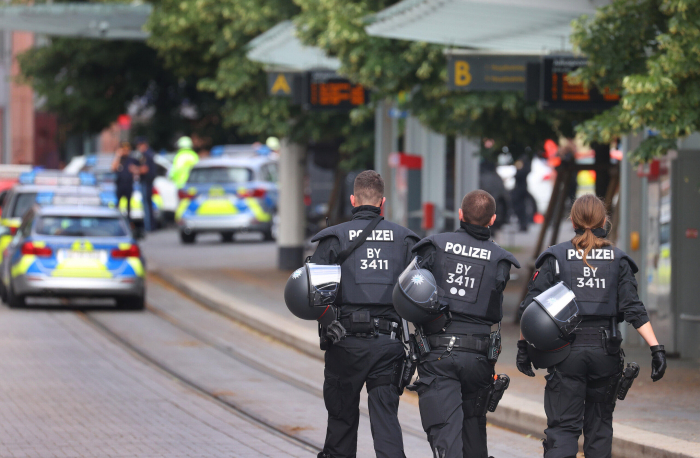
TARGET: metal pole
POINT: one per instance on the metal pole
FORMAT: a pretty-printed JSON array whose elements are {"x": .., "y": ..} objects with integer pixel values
[{"x": 292, "y": 214}]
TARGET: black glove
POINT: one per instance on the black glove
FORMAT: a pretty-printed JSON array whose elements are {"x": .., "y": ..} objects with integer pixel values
[
  {"x": 335, "y": 332},
  {"x": 523, "y": 359},
  {"x": 658, "y": 362}
]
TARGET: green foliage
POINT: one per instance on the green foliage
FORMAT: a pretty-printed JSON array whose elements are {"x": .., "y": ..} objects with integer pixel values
[
  {"x": 207, "y": 39},
  {"x": 650, "y": 51},
  {"x": 391, "y": 67},
  {"x": 88, "y": 83}
]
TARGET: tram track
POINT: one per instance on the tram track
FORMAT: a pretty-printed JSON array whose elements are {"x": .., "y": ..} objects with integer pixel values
[
  {"x": 254, "y": 363},
  {"x": 194, "y": 386}
]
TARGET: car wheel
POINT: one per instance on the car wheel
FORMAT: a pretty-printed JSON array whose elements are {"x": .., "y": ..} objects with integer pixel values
[
  {"x": 227, "y": 237},
  {"x": 3, "y": 292},
  {"x": 14, "y": 301},
  {"x": 131, "y": 303},
  {"x": 187, "y": 238}
]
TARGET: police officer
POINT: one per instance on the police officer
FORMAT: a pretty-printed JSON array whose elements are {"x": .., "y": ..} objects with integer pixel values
[
  {"x": 184, "y": 160},
  {"x": 602, "y": 279},
  {"x": 125, "y": 167},
  {"x": 371, "y": 350},
  {"x": 147, "y": 171},
  {"x": 472, "y": 271}
]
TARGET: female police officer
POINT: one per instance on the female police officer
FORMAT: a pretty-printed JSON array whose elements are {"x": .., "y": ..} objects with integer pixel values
[{"x": 602, "y": 278}]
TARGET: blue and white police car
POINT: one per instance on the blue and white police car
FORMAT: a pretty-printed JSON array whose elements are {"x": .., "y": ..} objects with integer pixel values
[{"x": 229, "y": 194}]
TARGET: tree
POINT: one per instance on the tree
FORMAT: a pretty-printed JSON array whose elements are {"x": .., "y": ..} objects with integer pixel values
[
  {"x": 390, "y": 67},
  {"x": 88, "y": 83},
  {"x": 648, "y": 50},
  {"x": 207, "y": 39}
]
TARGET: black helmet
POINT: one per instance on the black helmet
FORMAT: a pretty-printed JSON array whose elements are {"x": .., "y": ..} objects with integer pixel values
[
  {"x": 547, "y": 323},
  {"x": 416, "y": 295},
  {"x": 311, "y": 289}
]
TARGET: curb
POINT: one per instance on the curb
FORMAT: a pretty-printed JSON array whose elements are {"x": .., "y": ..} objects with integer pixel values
[{"x": 513, "y": 413}]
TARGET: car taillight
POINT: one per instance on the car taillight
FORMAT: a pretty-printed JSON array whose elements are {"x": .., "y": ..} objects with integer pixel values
[
  {"x": 30, "y": 248},
  {"x": 183, "y": 194},
  {"x": 252, "y": 193},
  {"x": 131, "y": 252},
  {"x": 155, "y": 192},
  {"x": 13, "y": 230}
]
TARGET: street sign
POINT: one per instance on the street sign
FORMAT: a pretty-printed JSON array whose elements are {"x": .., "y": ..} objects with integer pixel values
[
  {"x": 478, "y": 72},
  {"x": 328, "y": 91},
  {"x": 558, "y": 92},
  {"x": 280, "y": 84}
]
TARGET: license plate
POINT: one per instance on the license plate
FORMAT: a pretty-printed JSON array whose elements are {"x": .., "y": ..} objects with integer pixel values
[
  {"x": 92, "y": 255},
  {"x": 76, "y": 200}
]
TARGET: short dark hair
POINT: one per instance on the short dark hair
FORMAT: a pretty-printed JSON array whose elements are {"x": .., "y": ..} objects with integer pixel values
[
  {"x": 369, "y": 187},
  {"x": 478, "y": 207}
]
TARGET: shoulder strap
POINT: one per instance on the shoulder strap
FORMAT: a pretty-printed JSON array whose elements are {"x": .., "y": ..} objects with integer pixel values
[{"x": 358, "y": 241}]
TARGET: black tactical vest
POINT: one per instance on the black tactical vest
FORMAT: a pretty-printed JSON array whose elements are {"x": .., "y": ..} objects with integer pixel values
[
  {"x": 596, "y": 286},
  {"x": 465, "y": 268},
  {"x": 369, "y": 274}
]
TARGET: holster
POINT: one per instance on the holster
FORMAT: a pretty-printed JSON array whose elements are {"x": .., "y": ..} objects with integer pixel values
[
  {"x": 481, "y": 403},
  {"x": 611, "y": 342}
]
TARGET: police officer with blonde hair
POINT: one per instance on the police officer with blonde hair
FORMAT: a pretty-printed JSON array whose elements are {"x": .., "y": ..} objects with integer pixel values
[{"x": 584, "y": 373}]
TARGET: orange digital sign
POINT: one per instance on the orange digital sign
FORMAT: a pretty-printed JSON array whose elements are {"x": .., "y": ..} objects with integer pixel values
[
  {"x": 561, "y": 92},
  {"x": 328, "y": 91}
]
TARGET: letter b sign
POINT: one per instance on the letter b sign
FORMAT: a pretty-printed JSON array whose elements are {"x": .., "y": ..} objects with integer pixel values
[{"x": 462, "y": 75}]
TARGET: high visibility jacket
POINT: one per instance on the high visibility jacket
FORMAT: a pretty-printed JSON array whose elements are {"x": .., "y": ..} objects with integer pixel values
[{"x": 183, "y": 162}]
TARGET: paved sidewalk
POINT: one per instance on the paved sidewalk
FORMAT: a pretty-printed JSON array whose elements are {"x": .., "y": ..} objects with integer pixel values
[
  {"x": 254, "y": 297},
  {"x": 68, "y": 391}
]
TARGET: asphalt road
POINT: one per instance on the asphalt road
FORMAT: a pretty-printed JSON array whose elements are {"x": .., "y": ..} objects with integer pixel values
[{"x": 164, "y": 250}]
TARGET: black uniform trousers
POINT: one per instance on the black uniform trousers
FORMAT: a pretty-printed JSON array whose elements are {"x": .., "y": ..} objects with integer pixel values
[
  {"x": 350, "y": 364},
  {"x": 447, "y": 391},
  {"x": 572, "y": 405}
]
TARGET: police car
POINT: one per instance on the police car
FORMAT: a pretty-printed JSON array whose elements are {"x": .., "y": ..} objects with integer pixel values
[
  {"x": 229, "y": 195},
  {"x": 74, "y": 250},
  {"x": 43, "y": 188}
]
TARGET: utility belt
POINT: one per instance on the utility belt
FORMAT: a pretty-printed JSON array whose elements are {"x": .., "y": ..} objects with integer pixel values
[
  {"x": 469, "y": 343},
  {"x": 361, "y": 324},
  {"x": 598, "y": 337}
]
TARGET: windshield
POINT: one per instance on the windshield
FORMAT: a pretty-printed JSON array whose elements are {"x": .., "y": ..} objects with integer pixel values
[
  {"x": 81, "y": 226},
  {"x": 205, "y": 175},
  {"x": 23, "y": 202}
]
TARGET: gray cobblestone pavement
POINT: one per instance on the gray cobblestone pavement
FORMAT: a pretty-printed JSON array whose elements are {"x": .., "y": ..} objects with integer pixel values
[{"x": 67, "y": 391}]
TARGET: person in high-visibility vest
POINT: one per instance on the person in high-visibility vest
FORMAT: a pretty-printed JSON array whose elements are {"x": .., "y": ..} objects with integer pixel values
[{"x": 183, "y": 161}]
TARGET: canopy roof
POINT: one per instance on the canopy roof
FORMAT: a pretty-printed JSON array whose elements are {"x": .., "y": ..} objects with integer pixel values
[
  {"x": 280, "y": 49},
  {"x": 498, "y": 25},
  {"x": 91, "y": 20}
]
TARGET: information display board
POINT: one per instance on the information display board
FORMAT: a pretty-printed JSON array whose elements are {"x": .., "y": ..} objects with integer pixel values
[
  {"x": 479, "y": 72},
  {"x": 328, "y": 91},
  {"x": 558, "y": 92}
]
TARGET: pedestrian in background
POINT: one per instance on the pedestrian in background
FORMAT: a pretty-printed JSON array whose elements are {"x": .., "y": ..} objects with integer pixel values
[
  {"x": 372, "y": 350},
  {"x": 581, "y": 373},
  {"x": 184, "y": 160},
  {"x": 523, "y": 166},
  {"x": 472, "y": 271},
  {"x": 147, "y": 173},
  {"x": 125, "y": 168}
]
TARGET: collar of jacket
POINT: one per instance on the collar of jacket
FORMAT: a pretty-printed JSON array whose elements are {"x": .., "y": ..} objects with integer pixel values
[
  {"x": 478, "y": 232},
  {"x": 366, "y": 212}
]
